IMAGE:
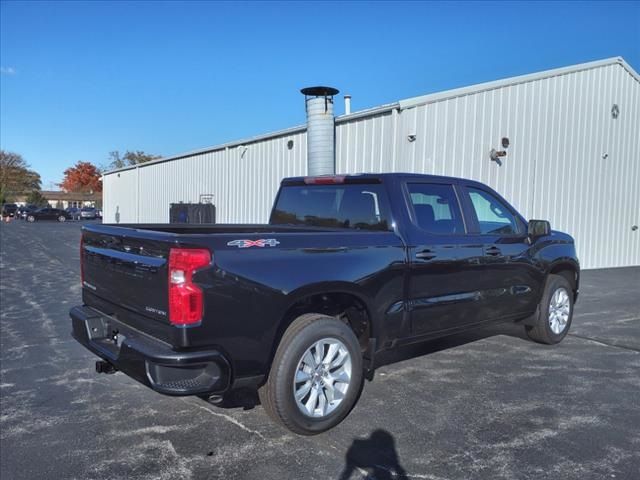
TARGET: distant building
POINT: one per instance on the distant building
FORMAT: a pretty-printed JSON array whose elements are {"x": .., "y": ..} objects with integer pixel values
[{"x": 59, "y": 199}]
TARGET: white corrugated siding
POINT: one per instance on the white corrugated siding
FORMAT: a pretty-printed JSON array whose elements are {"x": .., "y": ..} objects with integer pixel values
[
  {"x": 559, "y": 129},
  {"x": 243, "y": 181},
  {"x": 120, "y": 198},
  {"x": 559, "y": 126}
]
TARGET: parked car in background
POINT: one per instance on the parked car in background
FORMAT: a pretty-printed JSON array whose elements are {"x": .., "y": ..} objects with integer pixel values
[
  {"x": 9, "y": 209},
  {"x": 348, "y": 267},
  {"x": 24, "y": 210},
  {"x": 74, "y": 212},
  {"x": 88, "y": 213},
  {"x": 48, "y": 213},
  {"x": 99, "y": 213}
]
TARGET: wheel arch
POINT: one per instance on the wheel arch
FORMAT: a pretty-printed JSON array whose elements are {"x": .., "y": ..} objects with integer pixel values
[
  {"x": 340, "y": 300},
  {"x": 569, "y": 269}
]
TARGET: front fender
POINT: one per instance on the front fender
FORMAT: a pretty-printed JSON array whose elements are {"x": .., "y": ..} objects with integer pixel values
[{"x": 557, "y": 252}]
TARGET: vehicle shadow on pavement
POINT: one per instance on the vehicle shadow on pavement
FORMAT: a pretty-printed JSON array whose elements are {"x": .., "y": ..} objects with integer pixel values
[
  {"x": 247, "y": 399},
  {"x": 376, "y": 457},
  {"x": 432, "y": 346}
]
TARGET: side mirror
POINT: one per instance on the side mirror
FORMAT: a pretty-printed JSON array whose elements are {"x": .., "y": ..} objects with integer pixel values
[{"x": 538, "y": 228}]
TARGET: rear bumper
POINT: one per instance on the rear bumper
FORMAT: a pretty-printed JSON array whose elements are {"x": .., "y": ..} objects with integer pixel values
[{"x": 148, "y": 360}]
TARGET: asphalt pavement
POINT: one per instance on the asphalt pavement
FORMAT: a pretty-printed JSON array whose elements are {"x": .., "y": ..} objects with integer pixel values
[{"x": 488, "y": 404}]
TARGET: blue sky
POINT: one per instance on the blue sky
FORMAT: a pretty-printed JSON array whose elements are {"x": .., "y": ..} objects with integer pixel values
[{"x": 81, "y": 79}]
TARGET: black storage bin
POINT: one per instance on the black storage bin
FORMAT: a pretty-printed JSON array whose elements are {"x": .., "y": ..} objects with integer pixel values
[{"x": 193, "y": 213}]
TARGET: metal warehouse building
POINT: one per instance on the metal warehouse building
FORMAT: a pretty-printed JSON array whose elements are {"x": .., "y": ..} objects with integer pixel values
[{"x": 562, "y": 145}]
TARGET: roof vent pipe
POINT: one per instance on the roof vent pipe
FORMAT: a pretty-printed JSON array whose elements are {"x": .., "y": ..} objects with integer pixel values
[
  {"x": 320, "y": 130},
  {"x": 347, "y": 104}
]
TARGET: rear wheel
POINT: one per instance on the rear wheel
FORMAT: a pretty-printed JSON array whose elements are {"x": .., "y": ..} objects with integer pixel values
[
  {"x": 316, "y": 376},
  {"x": 554, "y": 313},
  {"x": 62, "y": 218},
  {"x": 31, "y": 218}
]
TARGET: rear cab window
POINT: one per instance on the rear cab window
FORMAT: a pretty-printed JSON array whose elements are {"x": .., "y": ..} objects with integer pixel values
[{"x": 361, "y": 206}]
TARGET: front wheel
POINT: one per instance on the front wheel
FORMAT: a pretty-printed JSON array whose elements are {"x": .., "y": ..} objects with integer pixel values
[
  {"x": 316, "y": 376},
  {"x": 62, "y": 218},
  {"x": 31, "y": 218},
  {"x": 554, "y": 313}
]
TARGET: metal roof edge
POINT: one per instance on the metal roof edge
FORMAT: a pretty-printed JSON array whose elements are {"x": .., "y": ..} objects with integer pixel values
[
  {"x": 214, "y": 148},
  {"x": 483, "y": 87},
  {"x": 629, "y": 68},
  {"x": 387, "y": 107}
]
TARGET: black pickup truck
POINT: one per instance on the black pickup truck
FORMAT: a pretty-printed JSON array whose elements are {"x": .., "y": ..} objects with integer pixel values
[{"x": 297, "y": 309}]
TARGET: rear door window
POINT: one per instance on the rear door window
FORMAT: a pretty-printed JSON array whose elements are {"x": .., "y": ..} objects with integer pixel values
[
  {"x": 436, "y": 208},
  {"x": 355, "y": 206}
]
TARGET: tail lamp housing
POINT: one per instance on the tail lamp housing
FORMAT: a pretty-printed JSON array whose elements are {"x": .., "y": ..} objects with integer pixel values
[{"x": 186, "y": 299}]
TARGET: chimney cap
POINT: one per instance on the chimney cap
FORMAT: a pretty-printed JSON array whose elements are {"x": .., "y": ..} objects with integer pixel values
[{"x": 319, "y": 91}]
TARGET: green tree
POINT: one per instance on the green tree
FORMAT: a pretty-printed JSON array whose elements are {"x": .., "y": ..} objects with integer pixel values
[
  {"x": 128, "y": 158},
  {"x": 16, "y": 176},
  {"x": 36, "y": 198}
]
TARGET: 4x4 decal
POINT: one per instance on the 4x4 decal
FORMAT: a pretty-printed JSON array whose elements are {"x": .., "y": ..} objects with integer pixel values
[{"x": 263, "y": 242}]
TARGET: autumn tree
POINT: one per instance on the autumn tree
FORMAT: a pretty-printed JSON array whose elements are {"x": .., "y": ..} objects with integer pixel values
[
  {"x": 16, "y": 176},
  {"x": 128, "y": 158},
  {"x": 82, "y": 177}
]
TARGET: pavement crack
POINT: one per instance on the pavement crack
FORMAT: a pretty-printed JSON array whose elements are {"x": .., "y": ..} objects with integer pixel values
[
  {"x": 228, "y": 418},
  {"x": 613, "y": 345}
]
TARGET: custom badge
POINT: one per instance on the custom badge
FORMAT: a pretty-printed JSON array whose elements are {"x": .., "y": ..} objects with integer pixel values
[{"x": 263, "y": 242}]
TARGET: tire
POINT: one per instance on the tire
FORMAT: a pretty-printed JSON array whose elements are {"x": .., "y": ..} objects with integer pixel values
[
  {"x": 546, "y": 328},
  {"x": 62, "y": 218},
  {"x": 300, "y": 339},
  {"x": 31, "y": 219}
]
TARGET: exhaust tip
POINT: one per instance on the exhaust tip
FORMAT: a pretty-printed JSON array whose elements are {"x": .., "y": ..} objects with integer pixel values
[{"x": 215, "y": 399}]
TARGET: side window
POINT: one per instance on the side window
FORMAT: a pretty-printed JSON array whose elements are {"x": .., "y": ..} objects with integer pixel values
[
  {"x": 436, "y": 208},
  {"x": 493, "y": 215}
]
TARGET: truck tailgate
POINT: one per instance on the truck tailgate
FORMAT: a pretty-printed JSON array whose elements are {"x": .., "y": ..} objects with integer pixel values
[{"x": 127, "y": 271}]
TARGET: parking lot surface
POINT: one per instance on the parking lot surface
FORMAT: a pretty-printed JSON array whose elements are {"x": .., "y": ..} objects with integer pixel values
[{"x": 487, "y": 404}]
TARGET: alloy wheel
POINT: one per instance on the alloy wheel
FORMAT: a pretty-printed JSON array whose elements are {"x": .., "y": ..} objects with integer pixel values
[{"x": 322, "y": 378}]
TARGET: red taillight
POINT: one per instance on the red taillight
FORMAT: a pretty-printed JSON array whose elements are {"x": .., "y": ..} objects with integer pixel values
[
  {"x": 324, "y": 180},
  {"x": 185, "y": 298}
]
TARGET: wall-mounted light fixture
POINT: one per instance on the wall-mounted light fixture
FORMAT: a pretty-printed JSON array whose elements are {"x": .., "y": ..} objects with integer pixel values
[{"x": 496, "y": 155}]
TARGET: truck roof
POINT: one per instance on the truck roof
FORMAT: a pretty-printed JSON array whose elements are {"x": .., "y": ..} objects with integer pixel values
[{"x": 382, "y": 176}]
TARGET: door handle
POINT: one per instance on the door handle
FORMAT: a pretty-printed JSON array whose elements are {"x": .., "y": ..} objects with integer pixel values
[
  {"x": 426, "y": 255},
  {"x": 493, "y": 251}
]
